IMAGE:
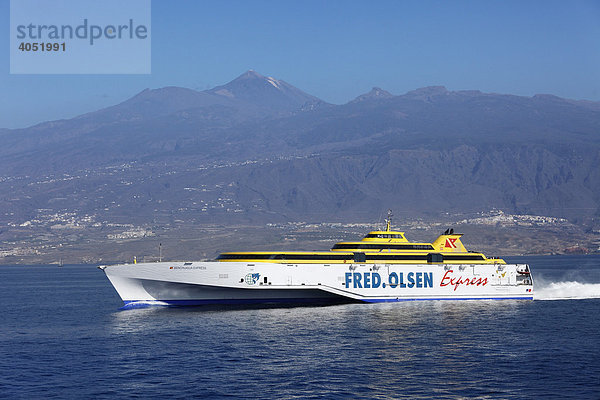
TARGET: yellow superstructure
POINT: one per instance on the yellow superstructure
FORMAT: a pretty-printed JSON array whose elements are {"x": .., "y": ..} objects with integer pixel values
[{"x": 377, "y": 247}]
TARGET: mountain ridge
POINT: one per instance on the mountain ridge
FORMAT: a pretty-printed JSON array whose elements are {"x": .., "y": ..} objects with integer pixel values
[
  {"x": 276, "y": 152},
  {"x": 264, "y": 91}
]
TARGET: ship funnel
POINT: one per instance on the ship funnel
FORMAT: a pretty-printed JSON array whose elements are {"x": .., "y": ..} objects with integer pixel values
[{"x": 449, "y": 242}]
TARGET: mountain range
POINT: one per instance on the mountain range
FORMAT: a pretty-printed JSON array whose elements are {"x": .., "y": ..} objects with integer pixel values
[{"x": 257, "y": 149}]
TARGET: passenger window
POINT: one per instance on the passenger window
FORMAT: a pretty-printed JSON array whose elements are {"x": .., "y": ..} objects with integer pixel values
[
  {"x": 360, "y": 257},
  {"x": 435, "y": 258}
]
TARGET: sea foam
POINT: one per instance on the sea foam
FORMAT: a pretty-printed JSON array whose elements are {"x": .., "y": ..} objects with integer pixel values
[
  {"x": 567, "y": 290},
  {"x": 143, "y": 304}
]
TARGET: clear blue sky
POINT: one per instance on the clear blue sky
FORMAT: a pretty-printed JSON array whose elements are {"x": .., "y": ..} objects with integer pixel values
[{"x": 337, "y": 50}]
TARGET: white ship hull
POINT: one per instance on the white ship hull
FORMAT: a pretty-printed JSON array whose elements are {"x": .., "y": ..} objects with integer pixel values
[{"x": 178, "y": 283}]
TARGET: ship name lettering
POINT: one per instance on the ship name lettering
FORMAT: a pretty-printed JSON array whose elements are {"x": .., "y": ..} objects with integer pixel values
[
  {"x": 372, "y": 280},
  {"x": 457, "y": 281},
  {"x": 367, "y": 280}
]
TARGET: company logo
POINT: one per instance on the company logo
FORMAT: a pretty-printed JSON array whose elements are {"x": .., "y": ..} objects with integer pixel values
[
  {"x": 251, "y": 279},
  {"x": 372, "y": 280},
  {"x": 451, "y": 243},
  {"x": 450, "y": 280}
]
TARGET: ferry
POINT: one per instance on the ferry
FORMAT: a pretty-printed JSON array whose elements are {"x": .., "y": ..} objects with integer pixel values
[{"x": 382, "y": 267}]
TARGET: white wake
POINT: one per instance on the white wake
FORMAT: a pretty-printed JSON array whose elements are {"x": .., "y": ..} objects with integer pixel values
[
  {"x": 144, "y": 304},
  {"x": 567, "y": 290}
]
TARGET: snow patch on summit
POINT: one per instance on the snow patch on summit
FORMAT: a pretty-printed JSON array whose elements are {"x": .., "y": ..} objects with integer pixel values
[{"x": 273, "y": 82}]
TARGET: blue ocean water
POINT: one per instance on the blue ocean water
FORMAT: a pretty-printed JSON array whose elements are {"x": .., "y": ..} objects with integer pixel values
[{"x": 62, "y": 335}]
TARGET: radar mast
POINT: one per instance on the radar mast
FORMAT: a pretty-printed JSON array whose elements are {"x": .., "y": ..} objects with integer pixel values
[{"x": 388, "y": 221}]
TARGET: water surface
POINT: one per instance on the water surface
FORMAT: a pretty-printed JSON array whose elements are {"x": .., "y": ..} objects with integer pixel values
[{"x": 63, "y": 336}]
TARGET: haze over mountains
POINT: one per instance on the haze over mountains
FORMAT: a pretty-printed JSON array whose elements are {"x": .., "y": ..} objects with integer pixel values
[{"x": 260, "y": 150}]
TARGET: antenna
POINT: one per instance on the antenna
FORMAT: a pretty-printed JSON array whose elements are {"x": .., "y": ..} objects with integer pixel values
[{"x": 388, "y": 221}]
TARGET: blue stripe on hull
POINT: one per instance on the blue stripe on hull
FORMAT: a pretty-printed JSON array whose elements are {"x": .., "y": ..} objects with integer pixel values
[
  {"x": 446, "y": 298},
  {"x": 131, "y": 304}
]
